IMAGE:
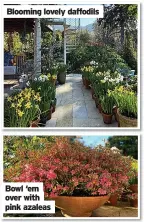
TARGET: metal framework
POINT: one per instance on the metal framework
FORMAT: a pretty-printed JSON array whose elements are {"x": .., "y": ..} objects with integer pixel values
[{"x": 71, "y": 35}]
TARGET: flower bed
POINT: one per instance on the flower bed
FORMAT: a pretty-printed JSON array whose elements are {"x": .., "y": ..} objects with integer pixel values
[{"x": 30, "y": 104}]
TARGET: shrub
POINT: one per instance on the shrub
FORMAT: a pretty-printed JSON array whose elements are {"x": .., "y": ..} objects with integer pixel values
[{"x": 72, "y": 169}]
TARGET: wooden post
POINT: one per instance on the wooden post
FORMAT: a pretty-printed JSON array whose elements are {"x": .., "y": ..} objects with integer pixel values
[
  {"x": 65, "y": 41},
  {"x": 37, "y": 47}
]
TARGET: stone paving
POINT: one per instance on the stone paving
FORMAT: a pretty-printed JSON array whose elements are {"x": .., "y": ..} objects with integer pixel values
[
  {"x": 75, "y": 106},
  {"x": 123, "y": 209}
]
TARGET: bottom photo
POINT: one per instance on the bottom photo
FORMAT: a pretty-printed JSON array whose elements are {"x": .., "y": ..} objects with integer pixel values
[{"x": 84, "y": 176}]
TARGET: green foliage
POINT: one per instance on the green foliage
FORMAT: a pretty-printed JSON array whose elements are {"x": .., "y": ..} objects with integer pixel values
[
  {"x": 16, "y": 144},
  {"x": 107, "y": 103},
  {"x": 128, "y": 144},
  {"x": 126, "y": 100},
  {"x": 84, "y": 37}
]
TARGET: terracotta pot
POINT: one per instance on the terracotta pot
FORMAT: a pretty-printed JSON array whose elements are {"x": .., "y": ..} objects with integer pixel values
[
  {"x": 107, "y": 118},
  {"x": 83, "y": 79},
  {"x": 87, "y": 84},
  {"x": 113, "y": 199},
  {"x": 134, "y": 188},
  {"x": 96, "y": 100},
  {"x": 115, "y": 113},
  {"x": 79, "y": 206},
  {"x": 92, "y": 92},
  {"x": 99, "y": 108},
  {"x": 35, "y": 122},
  {"x": 53, "y": 108},
  {"x": 134, "y": 203},
  {"x": 126, "y": 121},
  {"x": 49, "y": 116}
]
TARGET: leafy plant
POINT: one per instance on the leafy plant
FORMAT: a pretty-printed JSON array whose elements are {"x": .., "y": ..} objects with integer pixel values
[
  {"x": 22, "y": 108},
  {"x": 107, "y": 104},
  {"x": 72, "y": 169},
  {"x": 126, "y": 100}
]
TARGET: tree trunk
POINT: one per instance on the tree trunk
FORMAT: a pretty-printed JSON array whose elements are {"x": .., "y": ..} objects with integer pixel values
[{"x": 122, "y": 35}]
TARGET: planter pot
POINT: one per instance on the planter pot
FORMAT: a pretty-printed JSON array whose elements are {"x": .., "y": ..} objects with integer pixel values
[
  {"x": 53, "y": 105},
  {"x": 35, "y": 123},
  {"x": 53, "y": 81},
  {"x": 61, "y": 78},
  {"x": 134, "y": 188},
  {"x": 115, "y": 113},
  {"x": 107, "y": 118},
  {"x": 79, "y": 206},
  {"x": 126, "y": 121},
  {"x": 113, "y": 199},
  {"x": 96, "y": 100},
  {"x": 43, "y": 120},
  {"x": 49, "y": 115},
  {"x": 134, "y": 203},
  {"x": 99, "y": 108},
  {"x": 87, "y": 84},
  {"x": 92, "y": 92},
  {"x": 83, "y": 80}
]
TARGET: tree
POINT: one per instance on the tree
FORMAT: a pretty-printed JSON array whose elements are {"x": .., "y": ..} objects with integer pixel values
[
  {"x": 118, "y": 18},
  {"x": 84, "y": 37},
  {"x": 128, "y": 144}
]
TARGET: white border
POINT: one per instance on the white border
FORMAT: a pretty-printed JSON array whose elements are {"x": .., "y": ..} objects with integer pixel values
[{"x": 81, "y": 128}]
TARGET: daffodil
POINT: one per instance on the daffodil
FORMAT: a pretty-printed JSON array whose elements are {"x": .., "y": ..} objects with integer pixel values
[
  {"x": 28, "y": 105},
  {"x": 20, "y": 113},
  {"x": 12, "y": 105},
  {"x": 9, "y": 99}
]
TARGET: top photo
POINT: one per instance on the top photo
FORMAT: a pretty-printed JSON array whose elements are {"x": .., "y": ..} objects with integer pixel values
[{"x": 71, "y": 72}]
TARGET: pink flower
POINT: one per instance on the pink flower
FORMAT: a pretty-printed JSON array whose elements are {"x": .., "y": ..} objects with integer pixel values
[{"x": 51, "y": 175}]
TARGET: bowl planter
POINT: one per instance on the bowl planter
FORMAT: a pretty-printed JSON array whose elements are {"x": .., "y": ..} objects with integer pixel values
[
  {"x": 35, "y": 123},
  {"x": 49, "y": 115},
  {"x": 79, "y": 206},
  {"x": 126, "y": 121},
  {"x": 134, "y": 203},
  {"x": 61, "y": 77},
  {"x": 107, "y": 118},
  {"x": 87, "y": 84},
  {"x": 134, "y": 188},
  {"x": 96, "y": 100}
]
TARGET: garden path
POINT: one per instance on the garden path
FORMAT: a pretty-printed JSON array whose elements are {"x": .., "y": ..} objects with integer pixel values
[{"x": 75, "y": 106}]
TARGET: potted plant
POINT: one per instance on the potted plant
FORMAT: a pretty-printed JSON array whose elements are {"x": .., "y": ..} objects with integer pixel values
[
  {"x": 78, "y": 178},
  {"x": 127, "y": 106},
  {"x": 133, "y": 198},
  {"x": 87, "y": 72},
  {"x": 134, "y": 177},
  {"x": 107, "y": 104},
  {"x": 23, "y": 109},
  {"x": 61, "y": 77}
]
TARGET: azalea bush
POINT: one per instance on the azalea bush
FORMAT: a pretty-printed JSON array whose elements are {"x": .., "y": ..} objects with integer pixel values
[
  {"x": 72, "y": 169},
  {"x": 21, "y": 108}
]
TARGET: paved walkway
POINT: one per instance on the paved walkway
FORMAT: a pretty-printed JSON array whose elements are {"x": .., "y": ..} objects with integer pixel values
[{"x": 75, "y": 106}]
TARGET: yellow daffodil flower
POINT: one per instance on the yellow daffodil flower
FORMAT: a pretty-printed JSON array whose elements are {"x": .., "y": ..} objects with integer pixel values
[
  {"x": 20, "y": 113},
  {"x": 28, "y": 105}
]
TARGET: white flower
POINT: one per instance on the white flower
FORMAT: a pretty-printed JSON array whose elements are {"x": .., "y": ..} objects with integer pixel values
[
  {"x": 121, "y": 78},
  {"x": 28, "y": 83},
  {"x": 11, "y": 88},
  {"x": 20, "y": 80},
  {"x": 40, "y": 78},
  {"x": 35, "y": 79}
]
